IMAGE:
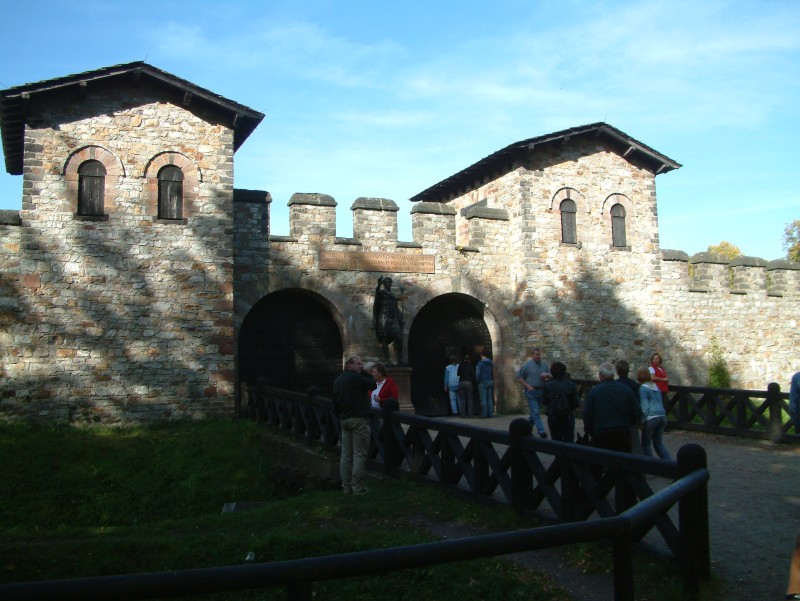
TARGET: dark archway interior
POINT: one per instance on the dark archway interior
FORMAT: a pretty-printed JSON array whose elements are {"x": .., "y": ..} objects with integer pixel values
[
  {"x": 451, "y": 324},
  {"x": 292, "y": 341}
]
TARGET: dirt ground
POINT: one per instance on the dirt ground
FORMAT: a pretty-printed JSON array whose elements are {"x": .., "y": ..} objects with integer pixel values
[{"x": 754, "y": 514}]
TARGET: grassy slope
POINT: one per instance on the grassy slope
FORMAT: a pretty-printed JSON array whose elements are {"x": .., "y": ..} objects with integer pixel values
[{"x": 95, "y": 501}]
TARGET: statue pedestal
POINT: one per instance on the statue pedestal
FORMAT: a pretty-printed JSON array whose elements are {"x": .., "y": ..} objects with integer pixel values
[{"x": 402, "y": 375}]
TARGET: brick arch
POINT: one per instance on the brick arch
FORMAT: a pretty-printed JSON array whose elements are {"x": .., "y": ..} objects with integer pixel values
[
  {"x": 329, "y": 297},
  {"x": 498, "y": 320},
  {"x": 115, "y": 171},
  {"x": 617, "y": 198},
  {"x": 571, "y": 194},
  {"x": 192, "y": 177}
]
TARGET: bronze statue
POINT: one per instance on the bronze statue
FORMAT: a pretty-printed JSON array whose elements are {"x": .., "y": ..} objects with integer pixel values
[{"x": 387, "y": 319}]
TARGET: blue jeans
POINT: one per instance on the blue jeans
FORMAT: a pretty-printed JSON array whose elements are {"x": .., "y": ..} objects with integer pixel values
[
  {"x": 534, "y": 398},
  {"x": 355, "y": 446},
  {"x": 652, "y": 431},
  {"x": 486, "y": 393},
  {"x": 453, "y": 394}
]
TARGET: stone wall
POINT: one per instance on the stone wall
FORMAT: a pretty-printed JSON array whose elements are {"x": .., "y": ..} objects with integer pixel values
[
  {"x": 131, "y": 317},
  {"x": 126, "y": 316}
]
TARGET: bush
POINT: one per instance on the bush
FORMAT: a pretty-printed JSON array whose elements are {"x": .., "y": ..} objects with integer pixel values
[{"x": 718, "y": 374}]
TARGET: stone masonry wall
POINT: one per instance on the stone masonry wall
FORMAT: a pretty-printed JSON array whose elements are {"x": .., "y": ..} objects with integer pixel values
[
  {"x": 129, "y": 317},
  {"x": 750, "y": 306},
  {"x": 126, "y": 317}
]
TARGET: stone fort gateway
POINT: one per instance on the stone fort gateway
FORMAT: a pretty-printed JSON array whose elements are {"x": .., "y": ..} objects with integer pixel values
[{"x": 137, "y": 283}]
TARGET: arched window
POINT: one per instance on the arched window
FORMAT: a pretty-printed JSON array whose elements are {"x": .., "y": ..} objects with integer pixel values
[
  {"x": 569, "y": 229},
  {"x": 91, "y": 188},
  {"x": 618, "y": 237},
  {"x": 170, "y": 193}
]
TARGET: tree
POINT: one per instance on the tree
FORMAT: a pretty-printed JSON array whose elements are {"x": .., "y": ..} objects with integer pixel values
[
  {"x": 725, "y": 249},
  {"x": 791, "y": 241}
]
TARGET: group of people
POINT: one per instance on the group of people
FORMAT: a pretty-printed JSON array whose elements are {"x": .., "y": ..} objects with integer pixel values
[
  {"x": 463, "y": 379},
  {"x": 616, "y": 411},
  {"x": 355, "y": 393}
]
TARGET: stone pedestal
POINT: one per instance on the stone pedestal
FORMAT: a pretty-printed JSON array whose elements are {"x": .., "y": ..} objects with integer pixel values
[{"x": 402, "y": 375}]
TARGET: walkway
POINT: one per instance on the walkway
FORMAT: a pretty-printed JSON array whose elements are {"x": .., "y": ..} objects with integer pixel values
[{"x": 754, "y": 507}]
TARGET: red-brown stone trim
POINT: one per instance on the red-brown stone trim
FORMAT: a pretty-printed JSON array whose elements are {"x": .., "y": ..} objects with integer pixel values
[
  {"x": 115, "y": 171},
  {"x": 192, "y": 176},
  {"x": 572, "y": 194},
  {"x": 617, "y": 198}
]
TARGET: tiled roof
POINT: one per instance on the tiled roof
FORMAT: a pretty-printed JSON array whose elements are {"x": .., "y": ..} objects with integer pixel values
[
  {"x": 14, "y": 102},
  {"x": 489, "y": 166}
]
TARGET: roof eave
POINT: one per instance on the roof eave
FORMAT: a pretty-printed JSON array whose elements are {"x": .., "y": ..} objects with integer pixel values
[
  {"x": 243, "y": 120},
  {"x": 465, "y": 178}
]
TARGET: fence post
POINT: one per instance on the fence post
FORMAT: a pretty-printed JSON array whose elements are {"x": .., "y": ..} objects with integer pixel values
[
  {"x": 775, "y": 411},
  {"x": 695, "y": 552},
  {"x": 622, "y": 557},
  {"x": 262, "y": 411},
  {"x": 521, "y": 475},
  {"x": 392, "y": 453},
  {"x": 570, "y": 490},
  {"x": 312, "y": 429}
]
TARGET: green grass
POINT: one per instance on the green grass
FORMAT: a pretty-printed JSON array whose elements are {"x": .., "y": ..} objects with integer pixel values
[{"x": 97, "y": 501}]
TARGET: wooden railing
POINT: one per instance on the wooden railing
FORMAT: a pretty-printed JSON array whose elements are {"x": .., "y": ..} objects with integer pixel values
[
  {"x": 735, "y": 412},
  {"x": 558, "y": 481}
]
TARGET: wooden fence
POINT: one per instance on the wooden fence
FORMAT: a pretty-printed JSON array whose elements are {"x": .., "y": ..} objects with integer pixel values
[
  {"x": 558, "y": 481},
  {"x": 734, "y": 412}
]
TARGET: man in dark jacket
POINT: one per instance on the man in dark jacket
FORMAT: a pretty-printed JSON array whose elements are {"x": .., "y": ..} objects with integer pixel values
[
  {"x": 560, "y": 396},
  {"x": 351, "y": 402},
  {"x": 610, "y": 411}
]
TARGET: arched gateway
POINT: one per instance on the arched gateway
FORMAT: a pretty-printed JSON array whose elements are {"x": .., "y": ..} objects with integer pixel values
[
  {"x": 451, "y": 324},
  {"x": 291, "y": 340}
]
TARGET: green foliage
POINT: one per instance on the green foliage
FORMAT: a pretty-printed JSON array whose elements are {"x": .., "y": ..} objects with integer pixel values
[
  {"x": 718, "y": 374},
  {"x": 725, "y": 249},
  {"x": 791, "y": 241}
]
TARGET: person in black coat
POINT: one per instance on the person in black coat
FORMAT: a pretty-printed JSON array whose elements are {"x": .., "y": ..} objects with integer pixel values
[{"x": 560, "y": 397}]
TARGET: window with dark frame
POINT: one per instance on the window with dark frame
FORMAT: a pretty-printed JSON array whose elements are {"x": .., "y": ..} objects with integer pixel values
[
  {"x": 569, "y": 228},
  {"x": 618, "y": 237},
  {"x": 170, "y": 193},
  {"x": 91, "y": 188}
]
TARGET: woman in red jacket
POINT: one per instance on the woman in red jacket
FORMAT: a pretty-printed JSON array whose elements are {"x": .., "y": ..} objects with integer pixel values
[
  {"x": 659, "y": 375},
  {"x": 387, "y": 387}
]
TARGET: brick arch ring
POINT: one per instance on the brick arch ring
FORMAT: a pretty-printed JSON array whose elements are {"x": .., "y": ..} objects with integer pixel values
[
  {"x": 617, "y": 198},
  {"x": 328, "y": 296},
  {"x": 571, "y": 194},
  {"x": 192, "y": 176},
  {"x": 115, "y": 170},
  {"x": 189, "y": 167}
]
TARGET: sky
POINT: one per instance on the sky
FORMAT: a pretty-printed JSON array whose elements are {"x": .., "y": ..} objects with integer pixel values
[{"x": 384, "y": 100}]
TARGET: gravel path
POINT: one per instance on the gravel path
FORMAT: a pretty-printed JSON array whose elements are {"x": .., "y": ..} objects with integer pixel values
[{"x": 754, "y": 509}]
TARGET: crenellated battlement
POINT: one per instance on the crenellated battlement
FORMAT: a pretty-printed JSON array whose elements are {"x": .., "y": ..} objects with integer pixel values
[{"x": 707, "y": 272}]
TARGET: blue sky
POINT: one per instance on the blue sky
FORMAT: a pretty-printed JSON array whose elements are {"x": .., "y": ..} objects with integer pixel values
[{"x": 385, "y": 99}]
